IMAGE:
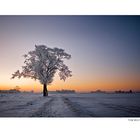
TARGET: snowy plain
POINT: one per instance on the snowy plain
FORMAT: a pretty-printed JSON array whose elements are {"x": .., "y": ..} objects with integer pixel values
[{"x": 70, "y": 105}]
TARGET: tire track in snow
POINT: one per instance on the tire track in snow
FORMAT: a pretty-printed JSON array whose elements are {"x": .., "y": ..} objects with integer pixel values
[
  {"x": 80, "y": 111},
  {"x": 61, "y": 107},
  {"x": 57, "y": 108},
  {"x": 41, "y": 111}
]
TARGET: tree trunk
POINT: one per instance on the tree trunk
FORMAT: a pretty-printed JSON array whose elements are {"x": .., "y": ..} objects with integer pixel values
[{"x": 45, "y": 91}]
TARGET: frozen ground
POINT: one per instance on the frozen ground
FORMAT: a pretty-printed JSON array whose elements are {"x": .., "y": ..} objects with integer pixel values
[{"x": 70, "y": 105}]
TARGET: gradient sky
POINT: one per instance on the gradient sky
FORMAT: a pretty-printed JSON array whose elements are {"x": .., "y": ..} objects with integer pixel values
[{"x": 105, "y": 50}]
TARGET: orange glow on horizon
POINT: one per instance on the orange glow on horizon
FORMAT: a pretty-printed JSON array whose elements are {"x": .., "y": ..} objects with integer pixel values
[
  {"x": 85, "y": 83},
  {"x": 78, "y": 86}
]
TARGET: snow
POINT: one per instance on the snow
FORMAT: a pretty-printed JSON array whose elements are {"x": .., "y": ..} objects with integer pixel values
[{"x": 69, "y": 105}]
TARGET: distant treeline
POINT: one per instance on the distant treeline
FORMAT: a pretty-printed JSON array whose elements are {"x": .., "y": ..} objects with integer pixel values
[
  {"x": 117, "y": 91},
  {"x": 65, "y": 91},
  {"x": 122, "y": 91},
  {"x": 10, "y": 91}
]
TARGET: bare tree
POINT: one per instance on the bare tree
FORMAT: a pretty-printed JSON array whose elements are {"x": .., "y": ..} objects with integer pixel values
[{"x": 42, "y": 64}]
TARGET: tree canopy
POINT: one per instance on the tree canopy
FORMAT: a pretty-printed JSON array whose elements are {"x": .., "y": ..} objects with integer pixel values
[{"x": 42, "y": 64}]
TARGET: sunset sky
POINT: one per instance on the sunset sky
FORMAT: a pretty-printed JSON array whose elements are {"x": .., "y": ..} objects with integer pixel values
[{"x": 105, "y": 50}]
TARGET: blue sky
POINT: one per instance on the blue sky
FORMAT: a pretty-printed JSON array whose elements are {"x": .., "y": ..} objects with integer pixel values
[{"x": 105, "y": 49}]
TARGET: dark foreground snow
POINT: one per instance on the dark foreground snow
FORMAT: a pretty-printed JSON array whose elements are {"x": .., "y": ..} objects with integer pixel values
[{"x": 70, "y": 105}]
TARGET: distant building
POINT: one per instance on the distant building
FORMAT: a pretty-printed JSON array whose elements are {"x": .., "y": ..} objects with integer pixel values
[{"x": 97, "y": 91}]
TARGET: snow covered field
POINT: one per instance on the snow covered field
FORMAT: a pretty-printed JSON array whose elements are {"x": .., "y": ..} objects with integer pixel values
[{"x": 70, "y": 105}]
